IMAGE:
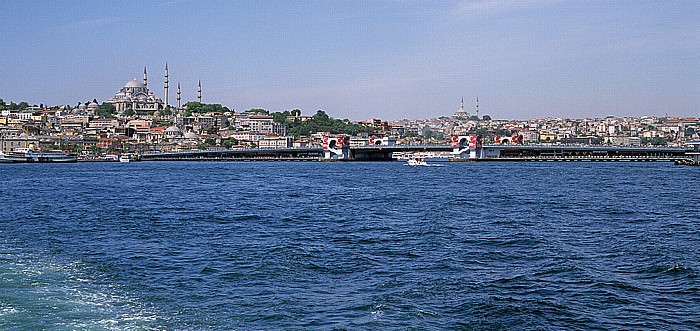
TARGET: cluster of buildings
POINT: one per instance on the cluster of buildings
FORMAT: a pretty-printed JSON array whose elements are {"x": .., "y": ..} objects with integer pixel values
[
  {"x": 143, "y": 122},
  {"x": 618, "y": 131}
]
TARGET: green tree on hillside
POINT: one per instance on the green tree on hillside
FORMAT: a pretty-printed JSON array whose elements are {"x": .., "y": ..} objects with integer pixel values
[
  {"x": 201, "y": 108},
  {"x": 321, "y": 122},
  {"x": 106, "y": 110},
  {"x": 258, "y": 111}
]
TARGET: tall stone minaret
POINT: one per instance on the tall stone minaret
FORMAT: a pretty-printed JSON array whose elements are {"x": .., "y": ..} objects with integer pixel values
[
  {"x": 178, "y": 96},
  {"x": 166, "y": 85},
  {"x": 145, "y": 80},
  {"x": 477, "y": 106},
  {"x": 461, "y": 106},
  {"x": 199, "y": 91}
]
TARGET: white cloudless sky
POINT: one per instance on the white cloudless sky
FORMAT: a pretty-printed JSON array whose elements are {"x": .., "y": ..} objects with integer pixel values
[{"x": 364, "y": 59}]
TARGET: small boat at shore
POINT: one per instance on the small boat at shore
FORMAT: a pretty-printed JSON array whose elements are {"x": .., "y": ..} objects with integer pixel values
[{"x": 25, "y": 155}]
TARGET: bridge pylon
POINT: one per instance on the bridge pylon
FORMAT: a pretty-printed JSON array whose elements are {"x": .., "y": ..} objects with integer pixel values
[
  {"x": 467, "y": 146},
  {"x": 336, "y": 147}
]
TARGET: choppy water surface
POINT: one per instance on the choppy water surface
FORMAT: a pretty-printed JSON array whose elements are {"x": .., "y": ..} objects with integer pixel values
[{"x": 198, "y": 246}]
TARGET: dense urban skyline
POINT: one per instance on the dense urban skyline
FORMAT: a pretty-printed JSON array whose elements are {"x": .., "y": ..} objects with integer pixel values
[{"x": 362, "y": 59}]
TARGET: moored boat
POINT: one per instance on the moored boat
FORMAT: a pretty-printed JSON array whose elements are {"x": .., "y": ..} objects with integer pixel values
[{"x": 25, "y": 155}]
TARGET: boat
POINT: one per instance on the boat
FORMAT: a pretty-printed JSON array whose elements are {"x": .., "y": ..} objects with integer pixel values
[
  {"x": 111, "y": 157},
  {"x": 124, "y": 158},
  {"x": 416, "y": 161},
  {"x": 26, "y": 155}
]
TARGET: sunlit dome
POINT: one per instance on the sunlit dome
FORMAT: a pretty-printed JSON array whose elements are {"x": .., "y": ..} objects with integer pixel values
[{"x": 134, "y": 83}]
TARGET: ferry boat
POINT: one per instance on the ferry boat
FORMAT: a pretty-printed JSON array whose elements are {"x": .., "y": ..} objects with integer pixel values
[
  {"x": 417, "y": 161},
  {"x": 124, "y": 158},
  {"x": 26, "y": 155}
]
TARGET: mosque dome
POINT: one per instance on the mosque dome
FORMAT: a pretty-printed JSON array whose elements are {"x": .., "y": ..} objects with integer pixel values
[
  {"x": 173, "y": 129},
  {"x": 134, "y": 83}
]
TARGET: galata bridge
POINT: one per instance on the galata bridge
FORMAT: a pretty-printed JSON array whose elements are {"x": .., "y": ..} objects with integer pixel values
[{"x": 462, "y": 148}]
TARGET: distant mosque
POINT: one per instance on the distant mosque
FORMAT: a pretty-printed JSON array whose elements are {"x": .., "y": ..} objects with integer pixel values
[
  {"x": 462, "y": 113},
  {"x": 136, "y": 96}
]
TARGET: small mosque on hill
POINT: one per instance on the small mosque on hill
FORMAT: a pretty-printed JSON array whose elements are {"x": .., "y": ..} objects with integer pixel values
[{"x": 135, "y": 95}]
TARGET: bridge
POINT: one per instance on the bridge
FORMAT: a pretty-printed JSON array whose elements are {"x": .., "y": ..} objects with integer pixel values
[{"x": 494, "y": 152}]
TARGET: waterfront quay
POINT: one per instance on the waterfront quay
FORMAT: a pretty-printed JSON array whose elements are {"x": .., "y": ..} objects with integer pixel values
[{"x": 389, "y": 153}]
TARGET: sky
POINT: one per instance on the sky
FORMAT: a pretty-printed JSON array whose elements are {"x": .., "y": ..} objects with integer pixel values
[{"x": 388, "y": 59}]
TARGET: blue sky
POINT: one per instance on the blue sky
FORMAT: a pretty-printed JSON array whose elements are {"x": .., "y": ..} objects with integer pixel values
[{"x": 362, "y": 59}]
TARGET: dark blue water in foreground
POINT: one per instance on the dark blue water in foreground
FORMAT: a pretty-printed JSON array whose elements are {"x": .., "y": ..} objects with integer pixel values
[{"x": 250, "y": 246}]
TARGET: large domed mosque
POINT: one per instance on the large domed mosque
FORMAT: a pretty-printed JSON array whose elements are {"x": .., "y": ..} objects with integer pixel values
[{"x": 136, "y": 95}]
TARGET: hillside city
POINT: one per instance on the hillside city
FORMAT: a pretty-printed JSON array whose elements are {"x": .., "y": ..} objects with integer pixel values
[{"x": 135, "y": 121}]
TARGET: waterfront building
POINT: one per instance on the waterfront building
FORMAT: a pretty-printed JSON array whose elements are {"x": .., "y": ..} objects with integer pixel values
[
  {"x": 276, "y": 142},
  {"x": 110, "y": 144},
  {"x": 9, "y": 144},
  {"x": 263, "y": 124}
]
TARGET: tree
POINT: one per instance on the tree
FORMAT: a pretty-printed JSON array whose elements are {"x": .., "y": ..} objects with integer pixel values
[
  {"x": 96, "y": 150},
  {"x": 296, "y": 112},
  {"x": 106, "y": 110},
  {"x": 258, "y": 111},
  {"x": 280, "y": 117},
  {"x": 201, "y": 108},
  {"x": 165, "y": 111},
  {"x": 473, "y": 118},
  {"x": 321, "y": 122},
  {"x": 230, "y": 142},
  {"x": 129, "y": 112},
  {"x": 210, "y": 141},
  {"x": 486, "y": 118},
  {"x": 659, "y": 141}
]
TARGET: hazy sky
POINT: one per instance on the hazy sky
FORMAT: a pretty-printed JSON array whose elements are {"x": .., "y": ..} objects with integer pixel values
[{"x": 363, "y": 59}]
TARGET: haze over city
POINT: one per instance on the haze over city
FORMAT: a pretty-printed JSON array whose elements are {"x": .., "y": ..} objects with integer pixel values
[{"x": 363, "y": 59}]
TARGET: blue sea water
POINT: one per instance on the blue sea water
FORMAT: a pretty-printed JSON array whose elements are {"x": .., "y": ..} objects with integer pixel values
[{"x": 356, "y": 246}]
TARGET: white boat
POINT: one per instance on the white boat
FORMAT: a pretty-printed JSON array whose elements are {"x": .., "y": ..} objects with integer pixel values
[
  {"x": 25, "y": 155},
  {"x": 124, "y": 158},
  {"x": 417, "y": 161},
  {"x": 111, "y": 157}
]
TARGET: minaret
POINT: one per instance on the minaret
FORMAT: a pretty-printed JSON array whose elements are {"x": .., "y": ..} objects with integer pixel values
[
  {"x": 477, "y": 106},
  {"x": 199, "y": 91},
  {"x": 145, "y": 80},
  {"x": 178, "y": 96},
  {"x": 461, "y": 106},
  {"x": 166, "y": 85}
]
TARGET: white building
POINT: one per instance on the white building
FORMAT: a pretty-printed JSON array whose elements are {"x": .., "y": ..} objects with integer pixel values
[{"x": 276, "y": 142}]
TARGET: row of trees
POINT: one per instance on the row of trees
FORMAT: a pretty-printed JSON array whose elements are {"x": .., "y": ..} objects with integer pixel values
[
  {"x": 319, "y": 122},
  {"x": 13, "y": 106},
  {"x": 201, "y": 108}
]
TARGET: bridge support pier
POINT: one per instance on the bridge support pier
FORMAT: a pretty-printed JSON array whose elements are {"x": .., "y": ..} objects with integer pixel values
[
  {"x": 336, "y": 147},
  {"x": 467, "y": 146}
]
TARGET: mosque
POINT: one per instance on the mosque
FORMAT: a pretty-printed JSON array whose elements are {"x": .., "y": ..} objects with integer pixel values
[{"x": 136, "y": 95}]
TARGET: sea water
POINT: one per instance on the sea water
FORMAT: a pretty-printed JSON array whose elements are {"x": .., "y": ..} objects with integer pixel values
[{"x": 357, "y": 246}]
